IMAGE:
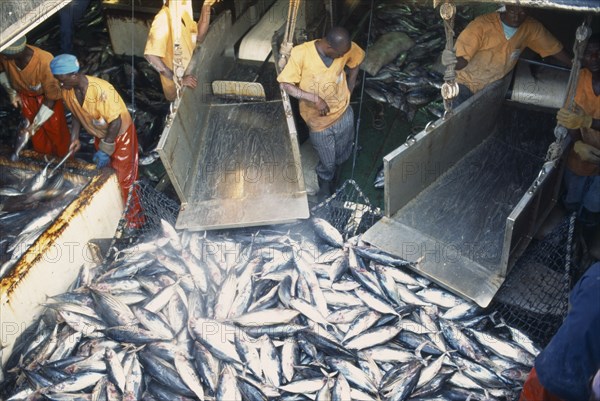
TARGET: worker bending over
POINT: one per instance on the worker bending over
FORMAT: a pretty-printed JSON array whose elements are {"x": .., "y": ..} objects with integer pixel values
[
  {"x": 316, "y": 75},
  {"x": 100, "y": 110},
  {"x": 25, "y": 75},
  {"x": 489, "y": 48},
  {"x": 174, "y": 24}
]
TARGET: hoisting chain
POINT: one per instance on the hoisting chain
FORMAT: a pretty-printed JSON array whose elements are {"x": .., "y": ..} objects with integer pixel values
[
  {"x": 285, "y": 50},
  {"x": 582, "y": 35},
  {"x": 450, "y": 87},
  {"x": 178, "y": 68}
]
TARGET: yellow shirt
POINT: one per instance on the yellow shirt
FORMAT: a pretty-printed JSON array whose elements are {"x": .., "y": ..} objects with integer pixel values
[
  {"x": 306, "y": 69},
  {"x": 589, "y": 102},
  {"x": 161, "y": 37},
  {"x": 101, "y": 106},
  {"x": 491, "y": 56},
  {"x": 36, "y": 78}
]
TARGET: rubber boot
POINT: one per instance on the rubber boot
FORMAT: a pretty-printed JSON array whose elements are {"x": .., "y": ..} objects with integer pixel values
[{"x": 324, "y": 190}]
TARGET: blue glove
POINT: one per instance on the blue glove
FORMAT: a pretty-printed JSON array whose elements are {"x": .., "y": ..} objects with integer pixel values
[{"x": 101, "y": 159}]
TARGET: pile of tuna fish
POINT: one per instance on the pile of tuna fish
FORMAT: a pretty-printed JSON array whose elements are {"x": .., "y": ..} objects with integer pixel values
[
  {"x": 414, "y": 78},
  {"x": 29, "y": 203},
  {"x": 263, "y": 316}
]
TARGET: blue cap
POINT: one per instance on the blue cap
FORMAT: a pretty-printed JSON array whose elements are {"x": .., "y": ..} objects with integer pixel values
[{"x": 64, "y": 64}]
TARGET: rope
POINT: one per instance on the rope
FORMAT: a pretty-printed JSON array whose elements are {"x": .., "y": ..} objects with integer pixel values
[
  {"x": 178, "y": 68},
  {"x": 287, "y": 43},
  {"x": 362, "y": 93},
  {"x": 132, "y": 63},
  {"x": 449, "y": 89},
  {"x": 582, "y": 35},
  {"x": 569, "y": 255}
]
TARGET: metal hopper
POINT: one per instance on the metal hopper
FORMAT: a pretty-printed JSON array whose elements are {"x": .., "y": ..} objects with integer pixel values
[{"x": 231, "y": 164}]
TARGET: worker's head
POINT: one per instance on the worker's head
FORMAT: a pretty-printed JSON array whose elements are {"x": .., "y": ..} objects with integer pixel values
[
  {"x": 65, "y": 69},
  {"x": 338, "y": 42},
  {"x": 591, "y": 55},
  {"x": 16, "y": 48},
  {"x": 513, "y": 16}
]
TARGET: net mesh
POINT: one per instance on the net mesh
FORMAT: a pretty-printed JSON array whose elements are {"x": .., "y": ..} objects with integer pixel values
[
  {"x": 348, "y": 210},
  {"x": 156, "y": 206},
  {"x": 535, "y": 296}
]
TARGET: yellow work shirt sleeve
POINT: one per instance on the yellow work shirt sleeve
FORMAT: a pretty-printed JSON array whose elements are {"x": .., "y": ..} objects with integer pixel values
[
  {"x": 50, "y": 85},
  {"x": 356, "y": 56},
  {"x": 469, "y": 41},
  {"x": 542, "y": 41},
  {"x": 292, "y": 72},
  {"x": 159, "y": 34}
]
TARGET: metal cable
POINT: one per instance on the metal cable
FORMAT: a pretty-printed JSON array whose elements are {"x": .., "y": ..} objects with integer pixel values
[
  {"x": 449, "y": 89},
  {"x": 569, "y": 254},
  {"x": 362, "y": 93},
  {"x": 132, "y": 63},
  {"x": 582, "y": 34}
]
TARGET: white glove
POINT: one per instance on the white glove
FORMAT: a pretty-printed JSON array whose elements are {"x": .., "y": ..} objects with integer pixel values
[
  {"x": 448, "y": 57},
  {"x": 15, "y": 99},
  {"x": 43, "y": 114}
]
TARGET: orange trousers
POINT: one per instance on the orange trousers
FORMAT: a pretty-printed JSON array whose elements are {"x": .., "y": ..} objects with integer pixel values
[
  {"x": 125, "y": 162},
  {"x": 534, "y": 391},
  {"x": 53, "y": 137}
]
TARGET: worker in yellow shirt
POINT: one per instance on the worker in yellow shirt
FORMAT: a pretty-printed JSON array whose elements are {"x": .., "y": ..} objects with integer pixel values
[
  {"x": 582, "y": 175},
  {"x": 99, "y": 109},
  {"x": 489, "y": 48},
  {"x": 26, "y": 77},
  {"x": 316, "y": 75},
  {"x": 174, "y": 26}
]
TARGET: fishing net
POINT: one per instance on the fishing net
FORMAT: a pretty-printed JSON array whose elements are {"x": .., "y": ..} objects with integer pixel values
[
  {"x": 535, "y": 296},
  {"x": 348, "y": 210},
  {"x": 155, "y": 206}
]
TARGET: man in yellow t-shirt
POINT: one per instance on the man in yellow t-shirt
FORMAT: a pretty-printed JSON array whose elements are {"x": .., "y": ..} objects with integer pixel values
[
  {"x": 163, "y": 33},
  {"x": 316, "y": 75},
  {"x": 100, "y": 110},
  {"x": 582, "y": 175},
  {"x": 489, "y": 48}
]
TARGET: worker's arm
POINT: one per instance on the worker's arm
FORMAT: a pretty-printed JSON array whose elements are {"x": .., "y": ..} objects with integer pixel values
[
  {"x": 203, "y": 22},
  {"x": 575, "y": 120},
  {"x": 449, "y": 58},
  {"x": 314, "y": 98},
  {"x": 75, "y": 130},
  {"x": 161, "y": 67},
  {"x": 106, "y": 147},
  {"x": 113, "y": 130},
  {"x": 352, "y": 76},
  {"x": 563, "y": 58},
  {"x": 461, "y": 63}
]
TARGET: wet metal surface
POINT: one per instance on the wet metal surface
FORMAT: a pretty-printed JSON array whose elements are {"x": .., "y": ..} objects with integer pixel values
[
  {"x": 456, "y": 227},
  {"x": 247, "y": 167}
]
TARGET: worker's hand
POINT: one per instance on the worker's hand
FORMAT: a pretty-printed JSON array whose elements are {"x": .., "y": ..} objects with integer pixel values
[
  {"x": 448, "y": 57},
  {"x": 189, "y": 81},
  {"x": 573, "y": 120},
  {"x": 587, "y": 152},
  {"x": 101, "y": 159},
  {"x": 15, "y": 100},
  {"x": 74, "y": 146},
  {"x": 322, "y": 107}
]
